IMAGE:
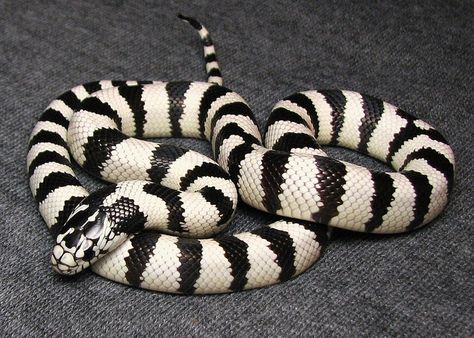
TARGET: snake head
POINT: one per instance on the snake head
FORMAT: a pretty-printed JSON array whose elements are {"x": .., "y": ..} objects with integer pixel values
[{"x": 86, "y": 236}]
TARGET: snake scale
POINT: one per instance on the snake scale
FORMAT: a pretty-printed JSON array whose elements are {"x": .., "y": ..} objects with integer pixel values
[{"x": 189, "y": 197}]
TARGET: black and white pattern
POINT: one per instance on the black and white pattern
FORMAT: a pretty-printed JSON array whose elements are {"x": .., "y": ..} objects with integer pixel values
[{"x": 187, "y": 196}]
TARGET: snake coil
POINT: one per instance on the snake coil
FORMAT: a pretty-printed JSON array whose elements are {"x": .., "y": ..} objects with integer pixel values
[{"x": 188, "y": 197}]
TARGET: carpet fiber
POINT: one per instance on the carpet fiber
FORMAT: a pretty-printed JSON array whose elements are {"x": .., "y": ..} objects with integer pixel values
[{"x": 415, "y": 54}]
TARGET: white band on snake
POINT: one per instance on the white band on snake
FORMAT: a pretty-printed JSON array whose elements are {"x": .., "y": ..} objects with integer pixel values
[{"x": 148, "y": 228}]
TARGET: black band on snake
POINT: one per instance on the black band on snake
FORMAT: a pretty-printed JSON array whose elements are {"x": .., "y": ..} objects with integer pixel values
[{"x": 149, "y": 228}]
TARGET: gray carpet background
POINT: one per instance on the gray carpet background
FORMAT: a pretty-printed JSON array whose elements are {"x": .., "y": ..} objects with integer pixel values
[{"x": 415, "y": 54}]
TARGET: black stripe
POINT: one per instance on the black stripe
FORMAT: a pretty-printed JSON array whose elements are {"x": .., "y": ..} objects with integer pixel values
[
  {"x": 435, "y": 160},
  {"x": 118, "y": 83},
  {"x": 211, "y": 95},
  {"x": 52, "y": 182},
  {"x": 337, "y": 101},
  {"x": 193, "y": 22},
  {"x": 63, "y": 215},
  {"x": 273, "y": 168},
  {"x": 330, "y": 187},
  {"x": 99, "y": 147},
  {"x": 133, "y": 96},
  {"x": 190, "y": 259},
  {"x": 145, "y": 82},
  {"x": 320, "y": 230},
  {"x": 409, "y": 132},
  {"x": 70, "y": 99},
  {"x": 233, "y": 108},
  {"x": 139, "y": 255},
  {"x": 214, "y": 72},
  {"x": 176, "y": 95},
  {"x": 210, "y": 58},
  {"x": 235, "y": 157},
  {"x": 163, "y": 156},
  {"x": 173, "y": 203},
  {"x": 47, "y": 156},
  {"x": 423, "y": 189},
  {"x": 55, "y": 116},
  {"x": 282, "y": 245},
  {"x": 126, "y": 216},
  {"x": 235, "y": 251},
  {"x": 290, "y": 141},
  {"x": 227, "y": 131},
  {"x": 92, "y": 87},
  {"x": 49, "y": 137},
  {"x": 220, "y": 201},
  {"x": 373, "y": 110},
  {"x": 305, "y": 102},
  {"x": 206, "y": 169},
  {"x": 283, "y": 114},
  {"x": 96, "y": 106},
  {"x": 381, "y": 199}
]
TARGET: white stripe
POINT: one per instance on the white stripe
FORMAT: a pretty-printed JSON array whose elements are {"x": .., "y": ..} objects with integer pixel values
[
  {"x": 224, "y": 185},
  {"x": 54, "y": 202},
  {"x": 242, "y": 121},
  {"x": 189, "y": 120},
  {"x": 104, "y": 84},
  {"x": 161, "y": 272},
  {"x": 388, "y": 126},
  {"x": 439, "y": 194},
  {"x": 250, "y": 177},
  {"x": 83, "y": 125},
  {"x": 49, "y": 126},
  {"x": 117, "y": 102},
  {"x": 181, "y": 166},
  {"x": 263, "y": 267},
  {"x": 349, "y": 135},
  {"x": 323, "y": 110},
  {"x": 299, "y": 197},
  {"x": 421, "y": 142},
  {"x": 114, "y": 266},
  {"x": 226, "y": 148},
  {"x": 129, "y": 160},
  {"x": 215, "y": 79},
  {"x": 230, "y": 97},
  {"x": 400, "y": 213},
  {"x": 422, "y": 124},
  {"x": 280, "y": 128},
  {"x": 209, "y": 50},
  {"x": 80, "y": 92},
  {"x": 307, "y": 248},
  {"x": 356, "y": 208},
  {"x": 47, "y": 146},
  {"x": 215, "y": 273},
  {"x": 61, "y": 107},
  {"x": 212, "y": 65},
  {"x": 158, "y": 123},
  {"x": 293, "y": 107},
  {"x": 200, "y": 216},
  {"x": 44, "y": 170}
]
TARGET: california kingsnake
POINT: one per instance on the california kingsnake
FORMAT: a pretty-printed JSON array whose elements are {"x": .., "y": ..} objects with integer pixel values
[{"x": 97, "y": 123}]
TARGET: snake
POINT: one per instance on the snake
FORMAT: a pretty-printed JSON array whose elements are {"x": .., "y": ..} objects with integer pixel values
[{"x": 157, "y": 224}]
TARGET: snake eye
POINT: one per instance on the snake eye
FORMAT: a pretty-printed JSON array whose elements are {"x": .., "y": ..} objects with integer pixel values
[{"x": 94, "y": 226}]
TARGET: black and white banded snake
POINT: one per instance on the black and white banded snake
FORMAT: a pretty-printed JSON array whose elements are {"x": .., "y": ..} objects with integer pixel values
[{"x": 188, "y": 196}]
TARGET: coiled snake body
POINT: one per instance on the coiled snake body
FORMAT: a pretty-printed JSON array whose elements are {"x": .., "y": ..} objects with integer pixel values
[{"x": 187, "y": 195}]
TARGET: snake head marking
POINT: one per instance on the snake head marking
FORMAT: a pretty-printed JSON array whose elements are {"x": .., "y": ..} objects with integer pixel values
[{"x": 85, "y": 237}]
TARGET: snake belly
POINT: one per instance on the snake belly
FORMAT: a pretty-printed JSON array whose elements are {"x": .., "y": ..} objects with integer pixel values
[{"x": 185, "y": 195}]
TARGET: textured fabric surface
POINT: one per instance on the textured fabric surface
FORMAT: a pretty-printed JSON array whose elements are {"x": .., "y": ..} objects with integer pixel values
[{"x": 415, "y": 54}]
